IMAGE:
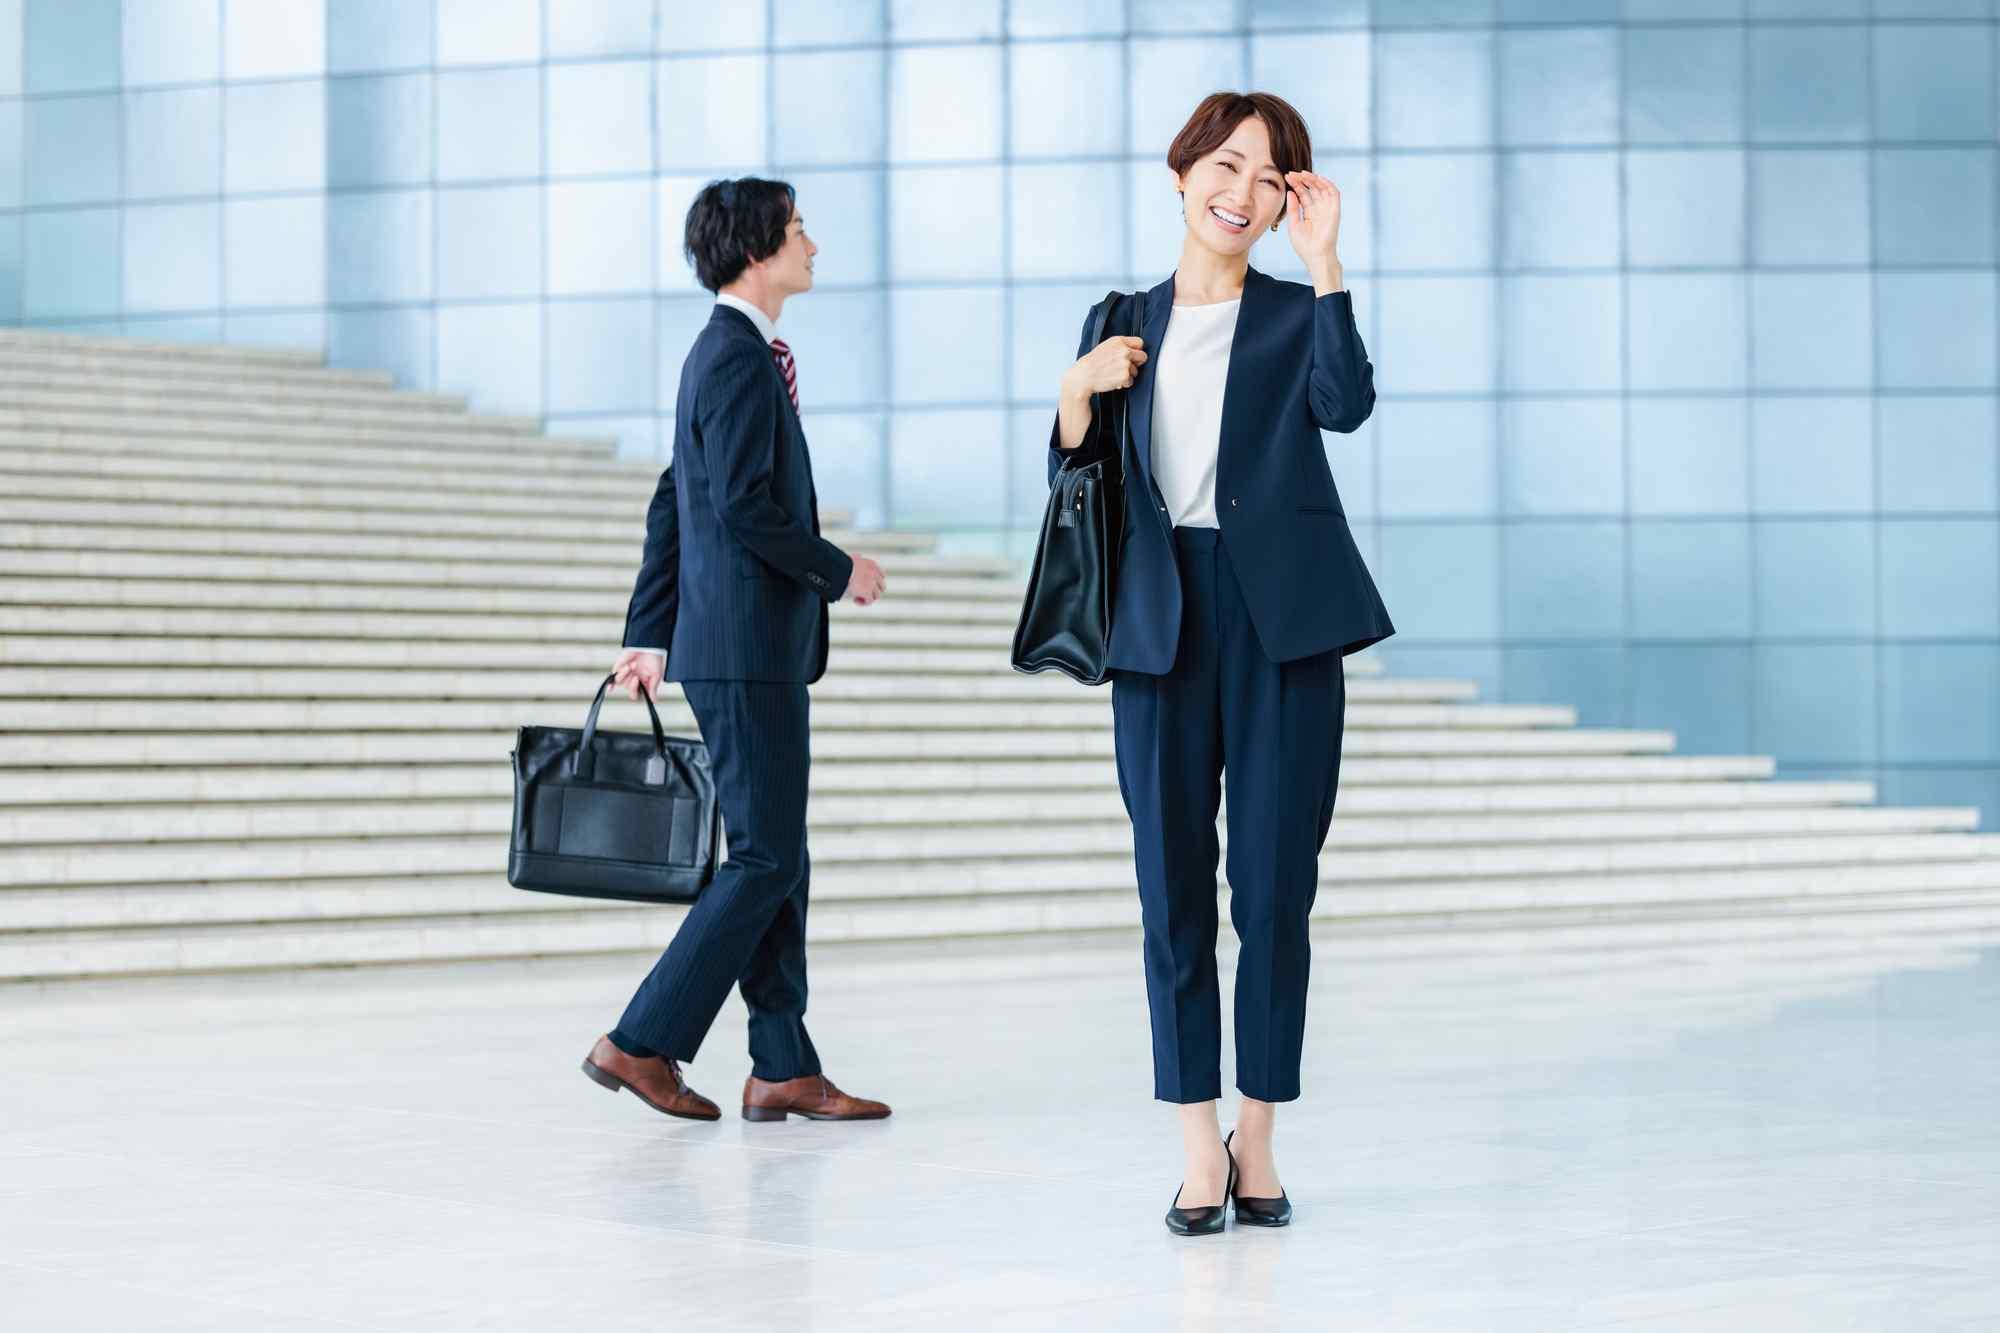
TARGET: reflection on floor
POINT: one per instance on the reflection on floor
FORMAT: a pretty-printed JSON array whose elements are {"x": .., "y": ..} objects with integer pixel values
[{"x": 1749, "y": 1125}]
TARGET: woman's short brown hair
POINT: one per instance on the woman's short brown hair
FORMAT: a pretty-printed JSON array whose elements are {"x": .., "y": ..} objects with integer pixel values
[{"x": 1217, "y": 118}]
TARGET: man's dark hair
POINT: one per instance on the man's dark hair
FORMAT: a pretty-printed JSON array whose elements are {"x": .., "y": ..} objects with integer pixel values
[{"x": 732, "y": 224}]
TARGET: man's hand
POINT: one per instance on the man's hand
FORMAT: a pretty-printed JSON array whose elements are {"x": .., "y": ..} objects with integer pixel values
[
  {"x": 638, "y": 669},
  {"x": 866, "y": 583}
]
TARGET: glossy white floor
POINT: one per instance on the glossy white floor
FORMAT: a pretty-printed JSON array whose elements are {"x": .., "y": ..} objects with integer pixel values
[{"x": 1753, "y": 1125}]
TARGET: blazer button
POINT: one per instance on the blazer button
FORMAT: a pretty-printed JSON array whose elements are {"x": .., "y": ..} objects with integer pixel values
[{"x": 1232, "y": 502}]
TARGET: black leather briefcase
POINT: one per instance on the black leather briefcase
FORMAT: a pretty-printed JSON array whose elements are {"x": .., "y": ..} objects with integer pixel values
[
  {"x": 613, "y": 814},
  {"x": 1065, "y": 622}
]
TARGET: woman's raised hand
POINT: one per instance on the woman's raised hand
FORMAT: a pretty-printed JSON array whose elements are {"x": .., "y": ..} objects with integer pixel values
[
  {"x": 1112, "y": 364},
  {"x": 1315, "y": 212}
]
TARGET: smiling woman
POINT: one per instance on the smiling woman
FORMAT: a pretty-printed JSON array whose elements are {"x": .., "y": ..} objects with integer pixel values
[{"x": 1205, "y": 158}]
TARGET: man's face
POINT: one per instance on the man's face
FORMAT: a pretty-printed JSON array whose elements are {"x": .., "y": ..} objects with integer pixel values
[{"x": 791, "y": 268}]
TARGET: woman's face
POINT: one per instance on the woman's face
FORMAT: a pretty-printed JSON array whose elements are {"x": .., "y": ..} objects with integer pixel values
[{"x": 1236, "y": 182}]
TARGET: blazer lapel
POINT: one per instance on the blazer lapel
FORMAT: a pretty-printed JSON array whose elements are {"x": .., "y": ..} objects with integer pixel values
[
  {"x": 1159, "y": 305},
  {"x": 1248, "y": 317}
]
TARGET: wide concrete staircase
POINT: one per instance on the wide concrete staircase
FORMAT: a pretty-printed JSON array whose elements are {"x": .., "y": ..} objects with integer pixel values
[{"x": 269, "y": 628}]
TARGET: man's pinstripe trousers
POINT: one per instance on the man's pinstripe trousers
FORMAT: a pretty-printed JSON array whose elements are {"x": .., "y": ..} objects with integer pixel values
[{"x": 748, "y": 927}]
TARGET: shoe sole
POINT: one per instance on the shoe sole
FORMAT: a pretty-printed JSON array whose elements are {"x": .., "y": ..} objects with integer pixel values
[
  {"x": 769, "y": 1114},
  {"x": 609, "y": 1081}
]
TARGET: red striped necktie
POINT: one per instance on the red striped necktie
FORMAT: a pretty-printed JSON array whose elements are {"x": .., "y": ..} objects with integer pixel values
[{"x": 786, "y": 368}]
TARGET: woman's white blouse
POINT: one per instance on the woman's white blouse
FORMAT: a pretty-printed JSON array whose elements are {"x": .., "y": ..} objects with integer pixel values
[{"x": 1188, "y": 378}]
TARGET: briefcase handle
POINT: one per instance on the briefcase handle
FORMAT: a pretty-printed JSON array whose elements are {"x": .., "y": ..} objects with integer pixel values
[{"x": 586, "y": 760}]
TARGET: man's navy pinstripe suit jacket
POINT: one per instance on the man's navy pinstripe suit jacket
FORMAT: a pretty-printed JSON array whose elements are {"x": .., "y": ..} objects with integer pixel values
[{"x": 736, "y": 578}]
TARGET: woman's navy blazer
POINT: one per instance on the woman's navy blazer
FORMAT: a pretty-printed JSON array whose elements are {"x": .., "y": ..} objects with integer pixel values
[{"x": 1297, "y": 367}]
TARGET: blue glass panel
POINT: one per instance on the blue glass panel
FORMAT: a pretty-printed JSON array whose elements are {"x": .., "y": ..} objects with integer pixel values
[
  {"x": 1684, "y": 85},
  {"x": 1938, "y": 701},
  {"x": 1808, "y": 84},
  {"x": 925, "y": 80},
  {"x": 1700, "y": 692},
  {"x": 1047, "y": 321},
  {"x": 927, "y": 321},
  {"x": 1155, "y": 220},
  {"x": 275, "y": 136},
  {"x": 1684, "y": 207},
  {"x": 71, "y": 258},
  {"x": 599, "y": 115},
  {"x": 1295, "y": 66},
  {"x": 1562, "y": 332},
  {"x": 1559, "y": 85},
  {"x": 1957, "y": 785},
  {"x": 13, "y": 31},
  {"x": 849, "y": 469},
  {"x": 173, "y": 257},
  {"x": 378, "y": 130},
  {"x": 1558, "y": 210},
  {"x": 175, "y": 328},
  {"x": 10, "y": 266},
  {"x": 1934, "y": 9},
  {"x": 173, "y": 142},
  {"x": 1940, "y": 578},
  {"x": 1179, "y": 16},
  {"x": 813, "y": 22},
  {"x": 813, "y": 128},
  {"x": 1935, "y": 330},
  {"x": 843, "y": 217},
  {"x": 1437, "y": 458},
  {"x": 964, "y": 485},
  {"x": 944, "y": 223},
  {"x": 1691, "y": 578},
  {"x": 1067, "y": 98},
  {"x": 1815, "y": 577},
  {"x": 1447, "y": 12},
  {"x": 493, "y": 355},
  {"x": 1164, "y": 71},
  {"x": 1436, "y": 335},
  {"x": 601, "y": 355},
  {"x": 1937, "y": 453},
  {"x": 13, "y": 145},
  {"x": 1807, "y": 9},
  {"x": 72, "y": 45},
  {"x": 1480, "y": 665},
  {"x": 379, "y": 246},
  {"x": 173, "y": 41},
  {"x": 1811, "y": 455},
  {"x": 838, "y": 348},
  {"x": 1934, "y": 205},
  {"x": 1065, "y": 18},
  {"x": 304, "y": 329},
  {"x": 1563, "y": 578},
  {"x": 399, "y": 341},
  {"x": 272, "y": 39},
  {"x": 1813, "y": 702},
  {"x": 1810, "y": 330},
  {"x": 488, "y": 32},
  {"x": 711, "y": 27},
  {"x": 680, "y": 320},
  {"x": 1561, "y": 456},
  {"x": 489, "y": 124},
  {"x": 274, "y": 252},
  {"x": 489, "y": 241},
  {"x": 1589, "y": 677},
  {"x": 1559, "y": 11},
  {"x": 1810, "y": 206},
  {"x": 1350, "y": 456},
  {"x": 1689, "y": 455},
  {"x": 377, "y": 34},
  {"x": 73, "y": 150},
  {"x": 1442, "y": 578},
  {"x": 1027, "y": 469},
  {"x": 673, "y": 197},
  {"x": 600, "y": 237},
  {"x": 1686, "y": 330},
  {"x": 1429, "y": 215},
  {"x": 1068, "y": 221},
  {"x": 1434, "y": 89},
  {"x": 1934, "y": 81},
  {"x": 603, "y": 27},
  {"x": 712, "y": 114}
]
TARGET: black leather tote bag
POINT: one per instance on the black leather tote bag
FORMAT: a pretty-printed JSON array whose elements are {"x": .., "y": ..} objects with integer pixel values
[
  {"x": 1065, "y": 622},
  {"x": 613, "y": 814}
]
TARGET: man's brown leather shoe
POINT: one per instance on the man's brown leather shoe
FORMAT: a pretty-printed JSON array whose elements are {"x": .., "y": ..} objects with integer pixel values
[
  {"x": 655, "y": 1081},
  {"x": 812, "y": 1097}
]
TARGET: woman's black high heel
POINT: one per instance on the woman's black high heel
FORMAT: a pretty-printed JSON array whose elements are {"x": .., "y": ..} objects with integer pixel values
[
  {"x": 1202, "y": 1221},
  {"x": 1256, "y": 1212}
]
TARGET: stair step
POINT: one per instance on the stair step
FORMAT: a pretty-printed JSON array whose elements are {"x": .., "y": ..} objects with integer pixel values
[
  {"x": 577, "y": 926},
  {"x": 198, "y": 393},
  {"x": 483, "y": 433},
  {"x": 38, "y": 407},
  {"x": 32, "y": 341},
  {"x": 519, "y": 453},
  {"x": 966, "y": 824}
]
